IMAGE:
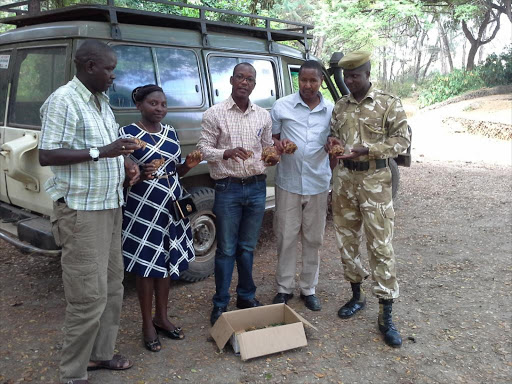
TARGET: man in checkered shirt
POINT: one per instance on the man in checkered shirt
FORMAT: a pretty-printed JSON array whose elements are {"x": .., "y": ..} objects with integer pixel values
[
  {"x": 79, "y": 142},
  {"x": 234, "y": 134}
]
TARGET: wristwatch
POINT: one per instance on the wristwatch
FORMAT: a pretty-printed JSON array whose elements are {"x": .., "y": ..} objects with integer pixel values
[{"x": 94, "y": 153}]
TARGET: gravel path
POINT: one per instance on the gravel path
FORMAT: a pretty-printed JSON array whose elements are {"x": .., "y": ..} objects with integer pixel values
[{"x": 452, "y": 239}]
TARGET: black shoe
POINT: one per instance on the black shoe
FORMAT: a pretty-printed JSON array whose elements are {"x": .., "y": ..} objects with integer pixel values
[
  {"x": 282, "y": 298},
  {"x": 153, "y": 346},
  {"x": 386, "y": 327},
  {"x": 351, "y": 308},
  {"x": 243, "y": 304},
  {"x": 355, "y": 304},
  {"x": 312, "y": 302},
  {"x": 216, "y": 313}
]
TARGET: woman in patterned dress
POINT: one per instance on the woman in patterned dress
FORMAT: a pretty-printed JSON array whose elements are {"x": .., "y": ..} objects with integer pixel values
[{"x": 155, "y": 246}]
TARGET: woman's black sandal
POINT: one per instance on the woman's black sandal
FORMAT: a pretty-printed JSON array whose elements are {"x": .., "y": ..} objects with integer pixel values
[
  {"x": 175, "y": 334},
  {"x": 153, "y": 346}
]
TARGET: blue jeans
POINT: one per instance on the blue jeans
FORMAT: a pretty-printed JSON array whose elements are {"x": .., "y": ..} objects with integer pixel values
[{"x": 239, "y": 210}]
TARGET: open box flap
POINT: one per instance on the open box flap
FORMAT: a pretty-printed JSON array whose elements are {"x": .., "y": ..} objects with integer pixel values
[{"x": 288, "y": 312}]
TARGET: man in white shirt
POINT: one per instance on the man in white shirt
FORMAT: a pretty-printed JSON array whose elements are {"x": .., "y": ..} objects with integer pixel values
[{"x": 302, "y": 183}]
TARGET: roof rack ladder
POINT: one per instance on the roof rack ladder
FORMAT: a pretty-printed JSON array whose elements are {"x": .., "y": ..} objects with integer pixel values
[
  {"x": 269, "y": 36},
  {"x": 204, "y": 31},
  {"x": 115, "y": 32},
  {"x": 306, "y": 46},
  {"x": 34, "y": 7}
]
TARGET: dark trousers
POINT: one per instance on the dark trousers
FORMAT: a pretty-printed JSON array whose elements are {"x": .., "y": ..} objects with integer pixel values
[{"x": 239, "y": 210}]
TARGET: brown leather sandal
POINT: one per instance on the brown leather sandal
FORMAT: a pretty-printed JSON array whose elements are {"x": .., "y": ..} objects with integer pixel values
[{"x": 117, "y": 363}]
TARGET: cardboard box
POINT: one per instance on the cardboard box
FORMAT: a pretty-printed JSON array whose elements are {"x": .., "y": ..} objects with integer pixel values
[{"x": 261, "y": 341}]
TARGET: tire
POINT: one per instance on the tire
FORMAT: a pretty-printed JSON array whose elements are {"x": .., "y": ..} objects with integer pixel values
[
  {"x": 204, "y": 234},
  {"x": 395, "y": 177}
]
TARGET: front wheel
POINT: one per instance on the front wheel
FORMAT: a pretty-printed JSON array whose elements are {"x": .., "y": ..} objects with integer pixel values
[{"x": 204, "y": 235}]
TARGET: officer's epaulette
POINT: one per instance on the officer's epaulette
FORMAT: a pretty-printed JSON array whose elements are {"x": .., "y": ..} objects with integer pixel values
[{"x": 385, "y": 93}]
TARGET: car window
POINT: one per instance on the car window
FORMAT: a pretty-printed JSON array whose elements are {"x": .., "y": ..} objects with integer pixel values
[
  {"x": 134, "y": 68},
  {"x": 221, "y": 69},
  {"x": 326, "y": 92},
  {"x": 264, "y": 93},
  {"x": 294, "y": 77},
  {"x": 37, "y": 73},
  {"x": 5, "y": 59},
  {"x": 179, "y": 77}
]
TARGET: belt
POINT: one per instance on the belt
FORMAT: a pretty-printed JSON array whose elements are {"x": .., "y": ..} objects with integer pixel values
[
  {"x": 364, "y": 165},
  {"x": 246, "y": 180}
]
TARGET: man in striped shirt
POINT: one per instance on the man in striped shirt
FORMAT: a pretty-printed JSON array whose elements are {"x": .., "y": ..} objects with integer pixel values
[
  {"x": 79, "y": 142},
  {"x": 234, "y": 134}
]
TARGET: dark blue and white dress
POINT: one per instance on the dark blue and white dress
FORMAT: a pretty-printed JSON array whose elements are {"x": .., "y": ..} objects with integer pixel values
[{"x": 153, "y": 244}]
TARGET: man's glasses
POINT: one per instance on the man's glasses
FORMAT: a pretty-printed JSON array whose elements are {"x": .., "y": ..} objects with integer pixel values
[{"x": 240, "y": 78}]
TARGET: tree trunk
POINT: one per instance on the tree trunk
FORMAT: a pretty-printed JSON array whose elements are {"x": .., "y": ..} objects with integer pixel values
[
  {"x": 471, "y": 57},
  {"x": 445, "y": 46},
  {"x": 433, "y": 57},
  {"x": 464, "y": 54},
  {"x": 388, "y": 82},
  {"x": 419, "y": 55},
  {"x": 318, "y": 46},
  {"x": 384, "y": 67},
  {"x": 481, "y": 50},
  {"x": 477, "y": 42}
]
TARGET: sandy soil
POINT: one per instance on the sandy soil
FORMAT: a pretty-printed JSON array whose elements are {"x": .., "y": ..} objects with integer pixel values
[{"x": 452, "y": 238}]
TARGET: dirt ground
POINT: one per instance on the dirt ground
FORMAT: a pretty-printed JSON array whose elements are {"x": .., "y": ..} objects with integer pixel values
[{"x": 452, "y": 240}]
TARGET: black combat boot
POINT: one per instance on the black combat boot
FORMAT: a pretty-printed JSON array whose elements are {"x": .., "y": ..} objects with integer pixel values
[
  {"x": 356, "y": 303},
  {"x": 387, "y": 328}
]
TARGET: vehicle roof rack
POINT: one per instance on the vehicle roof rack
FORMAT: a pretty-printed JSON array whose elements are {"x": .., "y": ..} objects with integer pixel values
[{"x": 204, "y": 19}]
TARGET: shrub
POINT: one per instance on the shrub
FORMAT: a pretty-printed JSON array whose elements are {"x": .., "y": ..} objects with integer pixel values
[
  {"x": 442, "y": 87},
  {"x": 497, "y": 70},
  {"x": 403, "y": 88}
]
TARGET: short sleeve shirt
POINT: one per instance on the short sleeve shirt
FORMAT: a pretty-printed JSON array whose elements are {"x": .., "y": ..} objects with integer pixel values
[{"x": 70, "y": 119}]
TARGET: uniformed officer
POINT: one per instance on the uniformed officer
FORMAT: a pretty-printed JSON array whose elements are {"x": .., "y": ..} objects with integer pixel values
[{"x": 372, "y": 127}]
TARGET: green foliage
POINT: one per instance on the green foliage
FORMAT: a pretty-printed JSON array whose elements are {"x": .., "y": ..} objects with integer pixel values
[
  {"x": 442, "y": 87},
  {"x": 244, "y": 6},
  {"x": 468, "y": 11},
  {"x": 497, "y": 70},
  {"x": 403, "y": 88}
]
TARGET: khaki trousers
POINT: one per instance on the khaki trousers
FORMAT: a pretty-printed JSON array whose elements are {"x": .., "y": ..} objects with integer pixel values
[
  {"x": 294, "y": 214},
  {"x": 92, "y": 273},
  {"x": 363, "y": 200}
]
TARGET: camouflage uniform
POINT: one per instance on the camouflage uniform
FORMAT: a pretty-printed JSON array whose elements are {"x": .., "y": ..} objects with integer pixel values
[{"x": 364, "y": 197}]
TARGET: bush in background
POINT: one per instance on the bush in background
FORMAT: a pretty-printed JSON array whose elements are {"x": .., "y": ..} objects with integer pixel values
[
  {"x": 496, "y": 70},
  {"x": 441, "y": 87},
  {"x": 403, "y": 88}
]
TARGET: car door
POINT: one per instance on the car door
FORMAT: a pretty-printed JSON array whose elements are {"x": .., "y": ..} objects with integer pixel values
[
  {"x": 6, "y": 64},
  {"x": 37, "y": 71}
]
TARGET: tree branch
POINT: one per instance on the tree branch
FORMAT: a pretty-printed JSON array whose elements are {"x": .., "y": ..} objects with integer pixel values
[
  {"x": 496, "y": 28},
  {"x": 467, "y": 32},
  {"x": 484, "y": 24}
]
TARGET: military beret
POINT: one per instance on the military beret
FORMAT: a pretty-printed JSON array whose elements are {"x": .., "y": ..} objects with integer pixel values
[{"x": 354, "y": 59}]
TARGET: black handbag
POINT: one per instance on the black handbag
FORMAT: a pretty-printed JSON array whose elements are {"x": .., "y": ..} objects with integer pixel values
[{"x": 184, "y": 207}]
